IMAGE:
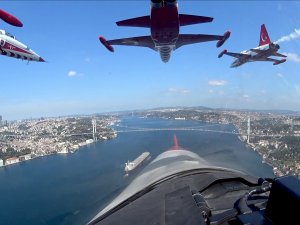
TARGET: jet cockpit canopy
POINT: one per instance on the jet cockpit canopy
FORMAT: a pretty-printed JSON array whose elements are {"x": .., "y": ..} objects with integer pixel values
[{"x": 3, "y": 32}]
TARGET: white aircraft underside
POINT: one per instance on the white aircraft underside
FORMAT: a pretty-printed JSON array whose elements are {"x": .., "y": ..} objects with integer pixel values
[
  {"x": 261, "y": 53},
  {"x": 11, "y": 47}
]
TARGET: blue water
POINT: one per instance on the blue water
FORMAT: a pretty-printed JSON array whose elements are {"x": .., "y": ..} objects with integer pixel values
[{"x": 71, "y": 189}]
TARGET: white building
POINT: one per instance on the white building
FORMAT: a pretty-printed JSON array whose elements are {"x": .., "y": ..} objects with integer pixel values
[
  {"x": 12, "y": 160},
  {"x": 89, "y": 141},
  {"x": 1, "y": 162},
  {"x": 25, "y": 157}
]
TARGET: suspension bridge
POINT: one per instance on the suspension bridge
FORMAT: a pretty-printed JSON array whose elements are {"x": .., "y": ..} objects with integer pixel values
[{"x": 129, "y": 129}]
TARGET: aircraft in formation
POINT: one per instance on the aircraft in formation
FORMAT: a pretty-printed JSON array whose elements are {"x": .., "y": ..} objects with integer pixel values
[
  {"x": 164, "y": 23},
  {"x": 265, "y": 49},
  {"x": 10, "y": 46}
]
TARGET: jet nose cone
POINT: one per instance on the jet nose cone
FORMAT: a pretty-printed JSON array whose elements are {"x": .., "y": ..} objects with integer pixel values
[
  {"x": 233, "y": 65},
  {"x": 41, "y": 59}
]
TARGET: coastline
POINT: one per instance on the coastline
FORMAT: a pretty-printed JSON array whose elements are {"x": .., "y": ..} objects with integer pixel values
[
  {"x": 67, "y": 148},
  {"x": 256, "y": 148}
]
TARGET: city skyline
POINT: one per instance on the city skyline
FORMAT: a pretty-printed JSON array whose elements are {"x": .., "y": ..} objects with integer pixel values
[{"x": 81, "y": 77}]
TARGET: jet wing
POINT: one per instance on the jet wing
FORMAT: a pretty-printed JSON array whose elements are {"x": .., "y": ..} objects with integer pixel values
[
  {"x": 268, "y": 60},
  {"x": 276, "y": 61},
  {"x": 257, "y": 51},
  {"x": 279, "y": 55},
  {"x": 186, "y": 39},
  {"x": 237, "y": 55},
  {"x": 262, "y": 51},
  {"x": 142, "y": 41}
]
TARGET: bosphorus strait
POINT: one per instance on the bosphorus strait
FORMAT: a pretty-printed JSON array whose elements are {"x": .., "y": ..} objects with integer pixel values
[{"x": 69, "y": 189}]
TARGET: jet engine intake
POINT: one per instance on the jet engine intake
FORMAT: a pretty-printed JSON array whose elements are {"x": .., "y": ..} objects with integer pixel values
[
  {"x": 170, "y": 2},
  {"x": 157, "y": 3},
  {"x": 274, "y": 46},
  {"x": 2, "y": 42}
]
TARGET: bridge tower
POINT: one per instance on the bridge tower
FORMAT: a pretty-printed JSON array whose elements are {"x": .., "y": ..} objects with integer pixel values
[
  {"x": 248, "y": 131},
  {"x": 94, "y": 129},
  {"x": 292, "y": 124}
]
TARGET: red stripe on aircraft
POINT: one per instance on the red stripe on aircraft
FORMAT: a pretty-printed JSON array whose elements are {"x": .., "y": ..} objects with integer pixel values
[{"x": 11, "y": 47}]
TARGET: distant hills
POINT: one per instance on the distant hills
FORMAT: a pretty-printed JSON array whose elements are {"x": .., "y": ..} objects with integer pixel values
[{"x": 204, "y": 108}]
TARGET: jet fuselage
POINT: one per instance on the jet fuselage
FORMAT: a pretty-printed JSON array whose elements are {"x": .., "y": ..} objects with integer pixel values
[
  {"x": 164, "y": 27},
  {"x": 262, "y": 53},
  {"x": 9, "y": 46},
  {"x": 259, "y": 53},
  {"x": 164, "y": 22}
]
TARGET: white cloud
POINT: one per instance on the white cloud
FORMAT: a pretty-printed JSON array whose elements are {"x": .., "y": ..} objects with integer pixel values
[
  {"x": 87, "y": 59},
  {"x": 289, "y": 37},
  {"x": 179, "y": 90},
  {"x": 246, "y": 96},
  {"x": 292, "y": 57},
  {"x": 72, "y": 73},
  {"x": 217, "y": 82}
]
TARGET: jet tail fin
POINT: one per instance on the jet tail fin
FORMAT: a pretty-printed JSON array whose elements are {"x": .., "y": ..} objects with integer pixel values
[
  {"x": 143, "y": 21},
  {"x": 185, "y": 20},
  {"x": 264, "y": 36}
]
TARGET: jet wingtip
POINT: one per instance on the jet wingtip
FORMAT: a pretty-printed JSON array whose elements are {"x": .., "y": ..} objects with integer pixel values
[
  {"x": 226, "y": 35},
  {"x": 105, "y": 43},
  {"x": 222, "y": 53},
  {"x": 10, "y": 19},
  {"x": 279, "y": 62}
]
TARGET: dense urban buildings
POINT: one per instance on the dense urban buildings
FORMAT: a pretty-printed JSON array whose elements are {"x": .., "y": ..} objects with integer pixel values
[
  {"x": 23, "y": 140},
  {"x": 274, "y": 135}
]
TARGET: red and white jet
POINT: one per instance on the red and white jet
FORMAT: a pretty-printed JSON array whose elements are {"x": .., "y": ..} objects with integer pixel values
[
  {"x": 164, "y": 24},
  {"x": 10, "y": 46},
  {"x": 265, "y": 49}
]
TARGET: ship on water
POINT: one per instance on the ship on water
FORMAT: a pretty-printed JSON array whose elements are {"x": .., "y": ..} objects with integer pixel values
[{"x": 129, "y": 166}]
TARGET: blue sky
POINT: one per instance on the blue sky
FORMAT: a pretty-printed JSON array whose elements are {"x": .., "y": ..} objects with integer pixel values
[{"x": 81, "y": 76}]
